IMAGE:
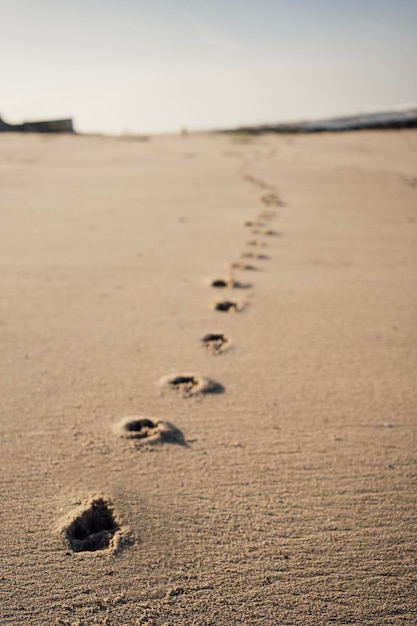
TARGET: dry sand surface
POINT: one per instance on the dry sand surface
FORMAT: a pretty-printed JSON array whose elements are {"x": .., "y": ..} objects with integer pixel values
[{"x": 177, "y": 453}]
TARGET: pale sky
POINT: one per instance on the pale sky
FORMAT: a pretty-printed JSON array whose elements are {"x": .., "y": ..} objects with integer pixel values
[{"x": 134, "y": 66}]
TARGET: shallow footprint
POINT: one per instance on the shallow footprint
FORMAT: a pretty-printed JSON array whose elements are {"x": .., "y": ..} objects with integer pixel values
[
  {"x": 237, "y": 265},
  {"x": 254, "y": 224},
  {"x": 271, "y": 199},
  {"x": 256, "y": 242},
  {"x": 215, "y": 343},
  {"x": 187, "y": 385},
  {"x": 93, "y": 526},
  {"x": 265, "y": 231},
  {"x": 254, "y": 255},
  {"x": 266, "y": 216},
  {"x": 144, "y": 430}
]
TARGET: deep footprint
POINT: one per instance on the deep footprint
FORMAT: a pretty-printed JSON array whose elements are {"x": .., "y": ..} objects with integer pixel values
[
  {"x": 187, "y": 385},
  {"x": 93, "y": 527},
  {"x": 141, "y": 428},
  {"x": 149, "y": 431},
  {"x": 227, "y": 282},
  {"x": 215, "y": 343},
  {"x": 220, "y": 282},
  {"x": 227, "y": 306}
]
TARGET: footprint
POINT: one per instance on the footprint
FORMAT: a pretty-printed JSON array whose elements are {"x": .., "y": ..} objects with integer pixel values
[
  {"x": 220, "y": 282},
  {"x": 243, "y": 266},
  {"x": 271, "y": 199},
  {"x": 149, "y": 431},
  {"x": 228, "y": 306},
  {"x": 254, "y": 224},
  {"x": 265, "y": 231},
  {"x": 215, "y": 343},
  {"x": 266, "y": 215},
  {"x": 411, "y": 181},
  {"x": 256, "y": 242},
  {"x": 257, "y": 181},
  {"x": 93, "y": 526},
  {"x": 187, "y": 385},
  {"x": 228, "y": 282},
  {"x": 254, "y": 255}
]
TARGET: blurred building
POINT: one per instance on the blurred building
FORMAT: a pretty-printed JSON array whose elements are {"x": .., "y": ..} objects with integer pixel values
[{"x": 52, "y": 126}]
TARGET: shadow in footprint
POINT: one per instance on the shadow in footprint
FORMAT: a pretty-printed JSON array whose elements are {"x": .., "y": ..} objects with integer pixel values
[
  {"x": 187, "y": 385},
  {"x": 227, "y": 306},
  {"x": 221, "y": 283},
  {"x": 144, "y": 430},
  {"x": 94, "y": 526},
  {"x": 215, "y": 343}
]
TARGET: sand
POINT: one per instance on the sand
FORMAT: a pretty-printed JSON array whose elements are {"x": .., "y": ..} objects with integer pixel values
[{"x": 166, "y": 461}]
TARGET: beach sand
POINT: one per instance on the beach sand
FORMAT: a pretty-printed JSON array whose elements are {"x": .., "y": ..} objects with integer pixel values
[{"x": 264, "y": 475}]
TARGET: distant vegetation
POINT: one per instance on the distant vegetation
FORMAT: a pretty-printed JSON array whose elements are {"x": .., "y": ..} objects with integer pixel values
[{"x": 405, "y": 118}]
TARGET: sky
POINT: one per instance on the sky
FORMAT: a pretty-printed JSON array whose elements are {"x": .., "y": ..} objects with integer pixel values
[{"x": 135, "y": 66}]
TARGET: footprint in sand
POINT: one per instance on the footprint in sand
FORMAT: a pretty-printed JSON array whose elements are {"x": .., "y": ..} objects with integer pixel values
[
  {"x": 266, "y": 215},
  {"x": 265, "y": 231},
  {"x": 256, "y": 242},
  {"x": 228, "y": 306},
  {"x": 254, "y": 255},
  {"x": 220, "y": 283},
  {"x": 216, "y": 343},
  {"x": 187, "y": 385},
  {"x": 254, "y": 224},
  {"x": 257, "y": 181},
  {"x": 93, "y": 526},
  {"x": 144, "y": 430},
  {"x": 271, "y": 199},
  {"x": 237, "y": 265}
]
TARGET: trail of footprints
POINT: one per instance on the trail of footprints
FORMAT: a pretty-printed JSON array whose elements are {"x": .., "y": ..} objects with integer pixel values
[{"x": 95, "y": 525}]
